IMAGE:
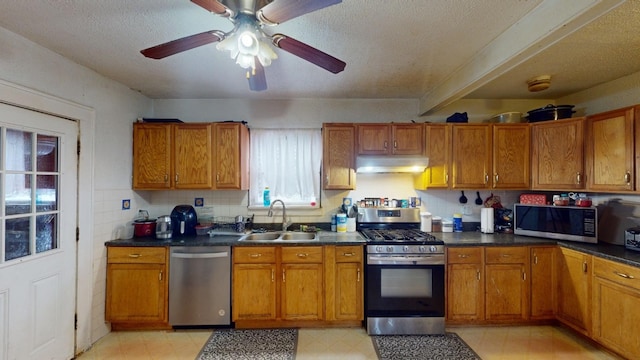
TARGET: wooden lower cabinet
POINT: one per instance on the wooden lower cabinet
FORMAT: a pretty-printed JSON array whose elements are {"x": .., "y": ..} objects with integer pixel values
[
  {"x": 574, "y": 290},
  {"x": 279, "y": 286},
  {"x": 137, "y": 288},
  {"x": 465, "y": 284},
  {"x": 616, "y": 306},
  {"x": 543, "y": 276}
]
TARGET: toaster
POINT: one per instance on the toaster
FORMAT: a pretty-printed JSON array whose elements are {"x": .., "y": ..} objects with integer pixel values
[{"x": 632, "y": 238}]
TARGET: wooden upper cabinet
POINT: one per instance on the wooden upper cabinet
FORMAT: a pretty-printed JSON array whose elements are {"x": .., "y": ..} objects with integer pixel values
[
  {"x": 557, "y": 154},
  {"x": 193, "y": 168},
  {"x": 610, "y": 150},
  {"x": 152, "y": 151},
  {"x": 231, "y": 156},
  {"x": 338, "y": 161},
  {"x": 390, "y": 139},
  {"x": 471, "y": 154},
  {"x": 438, "y": 150},
  {"x": 511, "y": 156}
]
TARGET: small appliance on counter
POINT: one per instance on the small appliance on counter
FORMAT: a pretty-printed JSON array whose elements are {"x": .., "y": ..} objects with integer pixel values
[
  {"x": 632, "y": 239},
  {"x": 184, "y": 220},
  {"x": 144, "y": 228},
  {"x": 164, "y": 229}
]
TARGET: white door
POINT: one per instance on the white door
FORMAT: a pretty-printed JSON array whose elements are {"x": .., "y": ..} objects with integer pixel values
[{"x": 38, "y": 188}]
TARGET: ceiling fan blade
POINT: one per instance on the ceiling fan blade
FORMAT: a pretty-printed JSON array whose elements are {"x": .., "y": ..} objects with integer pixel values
[
  {"x": 280, "y": 11},
  {"x": 309, "y": 53},
  {"x": 212, "y": 5},
  {"x": 183, "y": 44},
  {"x": 257, "y": 80}
]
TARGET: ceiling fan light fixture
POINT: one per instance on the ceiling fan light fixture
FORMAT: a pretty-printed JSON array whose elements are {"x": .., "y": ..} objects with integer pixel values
[{"x": 245, "y": 43}]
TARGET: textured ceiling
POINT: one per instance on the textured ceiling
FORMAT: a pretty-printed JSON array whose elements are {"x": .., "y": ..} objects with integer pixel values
[{"x": 434, "y": 50}]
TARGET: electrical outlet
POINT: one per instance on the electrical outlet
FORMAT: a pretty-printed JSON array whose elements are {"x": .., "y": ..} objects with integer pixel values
[{"x": 467, "y": 210}]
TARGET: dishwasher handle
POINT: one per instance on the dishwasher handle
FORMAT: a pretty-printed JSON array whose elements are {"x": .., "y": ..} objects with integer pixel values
[{"x": 200, "y": 255}]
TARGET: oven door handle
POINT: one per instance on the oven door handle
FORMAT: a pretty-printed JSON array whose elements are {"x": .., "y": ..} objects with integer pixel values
[{"x": 423, "y": 259}]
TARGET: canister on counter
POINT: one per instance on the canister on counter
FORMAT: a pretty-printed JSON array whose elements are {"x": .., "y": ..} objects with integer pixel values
[
  {"x": 436, "y": 224},
  {"x": 341, "y": 222},
  {"x": 457, "y": 222},
  {"x": 333, "y": 222}
]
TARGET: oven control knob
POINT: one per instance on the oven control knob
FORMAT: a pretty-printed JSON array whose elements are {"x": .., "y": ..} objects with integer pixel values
[
  {"x": 422, "y": 248},
  {"x": 433, "y": 249},
  {"x": 405, "y": 249},
  {"x": 389, "y": 248},
  {"x": 379, "y": 249}
]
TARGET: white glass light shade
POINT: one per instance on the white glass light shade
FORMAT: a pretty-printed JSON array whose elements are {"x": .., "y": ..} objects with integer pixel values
[{"x": 245, "y": 43}]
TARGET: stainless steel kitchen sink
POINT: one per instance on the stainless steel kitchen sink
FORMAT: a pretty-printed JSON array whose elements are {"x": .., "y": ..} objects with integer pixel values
[{"x": 280, "y": 236}]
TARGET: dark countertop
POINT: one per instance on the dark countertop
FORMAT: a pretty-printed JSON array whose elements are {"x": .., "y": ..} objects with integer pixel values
[
  {"x": 468, "y": 238},
  {"x": 324, "y": 238}
]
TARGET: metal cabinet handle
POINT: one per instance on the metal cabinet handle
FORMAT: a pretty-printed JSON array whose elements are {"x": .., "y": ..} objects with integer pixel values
[
  {"x": 177, "y": 176},
  {"x": 160, "y": 276},
  {"x": 524, "y": 276},
  {"x": 166, "y": 177},
  {"x": 217, "y": 177},
  {"x": 385, "y": 144},
  {"x": 535, "y": 259},
  {"x": 283, "y": 275},
  {"x": 505, "y": 255},
  {"x": 578, "y": 178},
  {"x": 584, "y": 267},
  {"x": 627, "y": 177},
  {"x": 486, "y": 178},
  {"x": 302, "y": 255},
  {"x": 358, "y": 279},
  {"x": 255, "y": 256},
  {"x": 395, "y": 144},
  {"x": 478, "y": 274},
  {"x": 626, "y": 276},
  {"x": 446, "y": 178},
  {"x": 463, "y": 256},
  {"x": 273, "y": 275},
  {"x": 497, "y": 178},
  {"x": 135, "y": 256},
  {"x": 348, "y": 254}
]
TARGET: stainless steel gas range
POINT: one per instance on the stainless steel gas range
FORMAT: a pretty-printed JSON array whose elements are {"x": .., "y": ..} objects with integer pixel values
[{"x": 404, "y": 287}]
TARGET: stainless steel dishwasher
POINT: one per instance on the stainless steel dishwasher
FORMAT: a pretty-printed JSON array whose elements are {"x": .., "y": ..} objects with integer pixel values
[{"x": 200, "y": 286}]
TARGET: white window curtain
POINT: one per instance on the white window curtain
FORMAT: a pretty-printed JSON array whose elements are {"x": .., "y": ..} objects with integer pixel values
[{"x": 288, "y": 162}]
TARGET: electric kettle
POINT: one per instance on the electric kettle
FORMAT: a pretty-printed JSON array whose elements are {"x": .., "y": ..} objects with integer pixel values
[{"x": 164, "y": 229}]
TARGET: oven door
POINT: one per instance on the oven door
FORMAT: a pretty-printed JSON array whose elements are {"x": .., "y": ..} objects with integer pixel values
[{"x": 401, "y": 290}]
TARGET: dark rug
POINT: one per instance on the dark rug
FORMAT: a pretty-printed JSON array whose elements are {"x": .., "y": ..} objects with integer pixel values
[
  {"x": 267, "y": 344},
  {"x": 425, "y": 347}
]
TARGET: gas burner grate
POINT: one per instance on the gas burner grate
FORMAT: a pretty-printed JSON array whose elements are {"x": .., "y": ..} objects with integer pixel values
[{"x": 398, "y": 235}]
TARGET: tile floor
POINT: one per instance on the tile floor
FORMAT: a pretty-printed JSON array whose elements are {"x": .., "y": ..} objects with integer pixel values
[{"x": 499, "y": 343}]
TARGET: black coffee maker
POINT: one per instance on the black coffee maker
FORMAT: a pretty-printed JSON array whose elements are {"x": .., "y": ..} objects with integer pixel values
[{"x": 184, "y": 220}]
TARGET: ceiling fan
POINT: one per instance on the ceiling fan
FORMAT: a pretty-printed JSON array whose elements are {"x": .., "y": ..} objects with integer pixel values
[{"x": 247, "y": 43}]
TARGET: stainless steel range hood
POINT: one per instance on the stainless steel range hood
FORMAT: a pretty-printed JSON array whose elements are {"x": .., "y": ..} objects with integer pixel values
[{"x": 391, "y": 164}]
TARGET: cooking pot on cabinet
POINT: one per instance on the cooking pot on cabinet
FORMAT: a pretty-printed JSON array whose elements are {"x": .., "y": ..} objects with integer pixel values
[
  {"x": 550, "y": 112},
  {"x": 144, "y": 228}
]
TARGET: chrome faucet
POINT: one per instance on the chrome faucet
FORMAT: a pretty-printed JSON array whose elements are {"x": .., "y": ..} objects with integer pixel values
[{"x": 285, "y": 223}]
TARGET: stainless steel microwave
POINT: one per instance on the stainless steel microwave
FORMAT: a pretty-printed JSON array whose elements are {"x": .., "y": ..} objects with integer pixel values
[{"x": 572, "y": 223}]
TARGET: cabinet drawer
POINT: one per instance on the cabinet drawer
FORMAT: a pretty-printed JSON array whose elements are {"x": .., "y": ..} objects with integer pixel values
[
  {"x": 348, "y": 254},
  {"x": 506, "y": 255},
  {"x": 254, "y": 254},
  {"x": 302, "y": 254},
  {"x": 619, "y": 273},
  {"x": 464, "y": 255},
  {"x": 136, "y": 255}
]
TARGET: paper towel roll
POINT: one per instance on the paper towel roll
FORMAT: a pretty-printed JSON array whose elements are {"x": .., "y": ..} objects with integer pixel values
[
  {"x": 486, "y": 220},
  {"x": 425, "y": 221}
]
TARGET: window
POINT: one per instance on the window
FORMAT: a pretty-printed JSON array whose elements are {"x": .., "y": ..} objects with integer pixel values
[
  {"x": 288, "y": 162},
  {"x": 30, "y": 177}
]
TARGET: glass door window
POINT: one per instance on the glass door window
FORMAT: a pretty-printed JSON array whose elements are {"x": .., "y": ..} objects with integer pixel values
[{"x": 29, "y": 175}]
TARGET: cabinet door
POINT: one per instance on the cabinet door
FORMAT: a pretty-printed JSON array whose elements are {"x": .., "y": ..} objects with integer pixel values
[
  {"x": 230, "y": 154},
  {"x": 152, "y": 164},
  {"x": 609, "y": 154},
  {"x": 373, "y": 139},
  {"x": 574, "y": 290},
  {"x": 338, "y": 161},
  {"x": 349, "y": 291},
  {"x": 471, "y": 156},
  {"x": 543, "y": 282},
  {"x": 465, "y": 293},
  {"x": 511, "y": 156},
  {"x": 193, "y": 156},
  {"x": 438, "y": 150},
  {"x": 616, "y": 306},
  {"x": 136, "y": 293},
  {"x": 302, "y": 295},
  {"x": 254, "y": 292},
  {"x": 506, "y": 292},
  {"x": 557, "y": 155},
  {"x": 408, "y": 139}
]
